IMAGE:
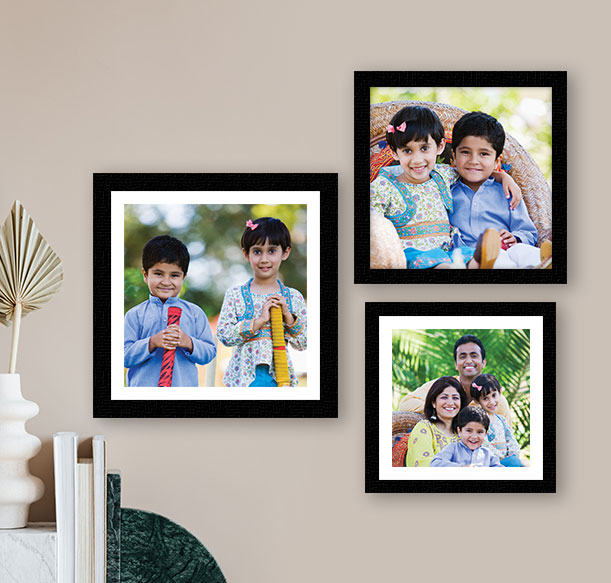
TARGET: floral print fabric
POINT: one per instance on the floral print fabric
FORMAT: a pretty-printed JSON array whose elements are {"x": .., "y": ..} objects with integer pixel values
[
  {"x": 240, "y": 308},
  {"x": 418, "y": 211},
  {"x": 500, "y": 439}
]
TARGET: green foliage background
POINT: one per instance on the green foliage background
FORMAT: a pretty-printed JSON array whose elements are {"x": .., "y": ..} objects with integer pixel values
[
  {"x": 524, "y": 112},
  {"x": 212, "y": 234},
  {"x": 423, "y": 355}
]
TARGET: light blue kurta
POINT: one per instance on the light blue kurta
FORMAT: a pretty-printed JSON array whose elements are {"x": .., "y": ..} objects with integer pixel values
[{"x": 149, "y": 318}]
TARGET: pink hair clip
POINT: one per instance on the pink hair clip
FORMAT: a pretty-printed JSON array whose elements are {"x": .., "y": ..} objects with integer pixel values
[
  {"x": 477, "y": 387},
  {"x": 252, "y": 225},
  {"x": 400, "y": 128}
]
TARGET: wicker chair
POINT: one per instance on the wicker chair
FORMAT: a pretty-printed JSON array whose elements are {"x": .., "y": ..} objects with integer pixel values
[
  {"x": 402, "y": 424},
  {"x": 385, "y": 245}
]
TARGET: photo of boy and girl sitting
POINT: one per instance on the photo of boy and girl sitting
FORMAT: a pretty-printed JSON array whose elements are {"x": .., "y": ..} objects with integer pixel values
[
  {"x": 469, "y": 214},
  {"x": 244, "y": 322}
]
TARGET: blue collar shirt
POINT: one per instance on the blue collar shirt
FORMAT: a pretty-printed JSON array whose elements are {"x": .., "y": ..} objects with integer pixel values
[
  {"x": 457, "y": 454},
  {"x": 474, "y": 212}
]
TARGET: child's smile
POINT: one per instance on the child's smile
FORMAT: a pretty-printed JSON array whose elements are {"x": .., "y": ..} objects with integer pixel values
[
  {"x": 490, "y": 402},
  {"x": 417, "y": 159},
  {"x": 472, "y": 434},
  {"x": 265, "y": 260},
  {"x": 475, "y": 160},
  {"x": 164, "y": 280}
]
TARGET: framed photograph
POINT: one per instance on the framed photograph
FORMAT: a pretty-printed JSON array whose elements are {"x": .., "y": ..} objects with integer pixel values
[
  {"x": 454, "y": 174},
  {"x": 460, "y": 397},
  {"x": 216, "y": 290}
]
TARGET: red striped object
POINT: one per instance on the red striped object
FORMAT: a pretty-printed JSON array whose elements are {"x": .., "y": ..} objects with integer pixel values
[{"x": 167, "y": 363}]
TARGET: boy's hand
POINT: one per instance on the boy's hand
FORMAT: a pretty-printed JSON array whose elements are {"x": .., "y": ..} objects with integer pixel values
[
  {"x": 156, "y": 341},
  {"x": 170, "y": 338},
  {"x": 175, "y": 337},
  {"x": 512, "y": 190},
  {"x": 507, "y": 238}
]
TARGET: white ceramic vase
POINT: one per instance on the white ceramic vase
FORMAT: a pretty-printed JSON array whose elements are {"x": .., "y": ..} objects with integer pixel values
[{"x": 18, "y": 488}]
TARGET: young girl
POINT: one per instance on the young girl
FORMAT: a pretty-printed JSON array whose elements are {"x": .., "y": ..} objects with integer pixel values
[
  {"x": 244, "y": 322},
  {"x": 415, "y": 195},
  {"x": 486, "y": 390}
]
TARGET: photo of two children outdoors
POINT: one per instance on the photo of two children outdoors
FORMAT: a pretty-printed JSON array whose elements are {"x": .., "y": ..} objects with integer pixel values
[
  {"x": 215, "y": 295},
  {"x": 460, "y": 178}
]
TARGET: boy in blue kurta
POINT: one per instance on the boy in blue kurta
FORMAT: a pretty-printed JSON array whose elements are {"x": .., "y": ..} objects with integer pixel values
[
  {"x": 165, "y": 261},
  {"x": 479, "y": 202},
  {"x": 472, "y": 424}
]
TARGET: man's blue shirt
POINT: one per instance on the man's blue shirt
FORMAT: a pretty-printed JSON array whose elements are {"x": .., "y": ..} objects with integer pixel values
[
  {"x": 150, "y": 317},
  {"x": 474, "y": 212}
]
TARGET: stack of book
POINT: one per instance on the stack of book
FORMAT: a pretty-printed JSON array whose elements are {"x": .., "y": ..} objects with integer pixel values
[{"x": 88, "y": 510}]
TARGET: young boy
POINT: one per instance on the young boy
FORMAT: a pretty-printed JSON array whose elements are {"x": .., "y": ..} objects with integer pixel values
[
  {"x": 472, "y": 424},
  {"x": 165, "y": 261},
  {"x": 479, "y": 201}
]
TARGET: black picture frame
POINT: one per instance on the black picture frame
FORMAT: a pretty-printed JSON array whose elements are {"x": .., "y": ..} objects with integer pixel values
[
  {"x": 364, "y": 80},
  {"x": 379, "y": 477},
  {"x": 322, "y": 194}
]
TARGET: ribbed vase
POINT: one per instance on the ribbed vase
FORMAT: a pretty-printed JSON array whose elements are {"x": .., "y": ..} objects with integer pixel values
[{"x": 18, "y": 488}]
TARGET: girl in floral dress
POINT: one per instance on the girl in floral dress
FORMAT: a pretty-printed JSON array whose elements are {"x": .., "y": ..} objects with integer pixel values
[
  {"x": 244, "y": 322},
  {"x": 415, "y": 195},
  {"x": 486, "y": 390}
]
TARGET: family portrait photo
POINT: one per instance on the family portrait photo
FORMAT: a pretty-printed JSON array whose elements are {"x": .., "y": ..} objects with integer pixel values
[
  {"x": 460, "y": 169},
  {"x": 460, "y": 401},
  {"x": 215, "y": 295}
]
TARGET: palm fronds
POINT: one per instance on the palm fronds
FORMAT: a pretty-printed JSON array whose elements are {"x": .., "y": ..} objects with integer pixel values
[{"x": 422, "y": 355}]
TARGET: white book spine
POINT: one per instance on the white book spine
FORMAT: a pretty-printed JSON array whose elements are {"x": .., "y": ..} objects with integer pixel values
[
  {"x": 64, "y": 462},
  {"x": 99, "y": 509},
  {"x": 84, "y": 530}
]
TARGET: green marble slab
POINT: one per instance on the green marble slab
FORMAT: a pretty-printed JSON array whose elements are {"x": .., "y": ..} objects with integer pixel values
[
  {"x": 157, "y": 550},
  {"x": 113, "y": 527}
]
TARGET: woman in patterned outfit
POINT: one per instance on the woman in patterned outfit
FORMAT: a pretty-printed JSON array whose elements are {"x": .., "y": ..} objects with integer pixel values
[{"x": 443, "y": 402}]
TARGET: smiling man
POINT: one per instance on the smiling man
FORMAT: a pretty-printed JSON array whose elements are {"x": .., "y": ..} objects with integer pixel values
[{"x": 469, "y": 360}]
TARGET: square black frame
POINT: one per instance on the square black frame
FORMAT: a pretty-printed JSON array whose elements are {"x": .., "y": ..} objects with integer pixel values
[
  {"x": 103, "y": 187},
  {"x": 373, "y": 311},
  {"x": 364, "y": 80}
]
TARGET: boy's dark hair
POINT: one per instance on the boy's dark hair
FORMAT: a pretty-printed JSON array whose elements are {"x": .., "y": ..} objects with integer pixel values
[
  {"x": 420, "y": 123},
  {"x": 481, "y": 125},
  {"x": 437, "y": 388},
  {"x": 165, "y": 249},
  {"x": 465, "y": 340},
  {"x": 487, "y": 382},
  {"x": 468, "y": 414},
  {"x": 268, "y": 229}
]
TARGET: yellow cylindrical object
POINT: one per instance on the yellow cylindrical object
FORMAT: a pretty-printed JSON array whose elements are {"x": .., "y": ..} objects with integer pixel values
[{"x": 280, "y": 360}]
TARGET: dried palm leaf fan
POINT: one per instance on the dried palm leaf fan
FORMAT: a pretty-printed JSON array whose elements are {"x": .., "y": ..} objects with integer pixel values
[
  {"x": 30, "y": 272},
  {"x": 280, "y": 360}
]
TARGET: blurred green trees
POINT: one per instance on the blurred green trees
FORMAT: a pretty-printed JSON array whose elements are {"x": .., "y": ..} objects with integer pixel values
[
  {"x": 423, "y": 355},
  {"x": 524, "y": 112},
  {"x": 212, "y": 235}
]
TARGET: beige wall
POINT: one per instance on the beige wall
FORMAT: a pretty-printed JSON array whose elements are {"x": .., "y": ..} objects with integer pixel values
[{"x": 150, "y": 86}]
